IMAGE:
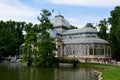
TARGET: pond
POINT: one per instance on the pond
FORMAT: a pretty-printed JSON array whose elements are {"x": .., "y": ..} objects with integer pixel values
[{"x": 14, "y": 71}]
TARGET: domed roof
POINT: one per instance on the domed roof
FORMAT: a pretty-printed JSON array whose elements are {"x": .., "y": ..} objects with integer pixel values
[
  {"x": 81, "y": 30},
  {"x": 86, "y": 41},
  {"x": 60, "y": 21}
]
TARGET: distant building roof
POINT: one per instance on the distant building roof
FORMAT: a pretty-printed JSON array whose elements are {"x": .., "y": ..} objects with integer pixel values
[
  {"x": 85, "y": 41},
  {"x": 60, "y": 21},
  {"x": 81, "y": 30}
]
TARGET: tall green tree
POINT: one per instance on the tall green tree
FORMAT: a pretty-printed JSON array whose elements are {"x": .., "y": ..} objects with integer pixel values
[
  {"x": 18, "y": 31},
  {"x": 7, "y": 42},
  {"x": 103, "y": 25},
  {"x": 10, "y": 36},
  {"x": 46, "y": 45},
  {"x": 114, "y": 20},
  {"x": 36, "y": 28},
  {"x": 28, "y": 27},
  {"x": 29, "y": 47}
]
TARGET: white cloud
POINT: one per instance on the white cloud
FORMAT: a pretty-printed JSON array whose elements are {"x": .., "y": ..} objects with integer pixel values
[
  {"x": 16, "y": 10},
  {"x": 74, "y": 22},
  {"x": 81, "y": 21},
  {"x": 99, "y": 3}
]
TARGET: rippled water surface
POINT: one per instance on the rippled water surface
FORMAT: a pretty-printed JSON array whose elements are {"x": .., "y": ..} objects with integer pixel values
[{"x": 12, "y": 71}]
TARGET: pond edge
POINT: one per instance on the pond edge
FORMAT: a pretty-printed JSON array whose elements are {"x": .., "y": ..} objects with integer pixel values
[{"x": 99, "y": 74}]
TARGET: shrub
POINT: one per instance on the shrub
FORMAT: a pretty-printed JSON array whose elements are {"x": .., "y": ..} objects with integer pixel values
[{"x": 65, "y": 60}]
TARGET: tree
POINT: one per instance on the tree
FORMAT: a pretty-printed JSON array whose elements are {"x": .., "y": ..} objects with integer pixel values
[
  {"x": 11, "y": 36},
  {"x": 103, "y": 25},
  {"x": 36, "y": 28},
  {"x": 28, "y": 27},
  {"x": 46, "y": 46},
  {"x": 89, "y": 25},
  {"x": 29, "y": 47},
  {"x": 7, "y": 42},
  {"x": 18, "y": 28},
  {"x": 73, "y": 27},
  {"x": 114, "y": 20}
]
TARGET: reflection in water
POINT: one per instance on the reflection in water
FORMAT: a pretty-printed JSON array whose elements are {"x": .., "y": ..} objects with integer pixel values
[
  {"x": 14, "y": 71},
  {"x": 75, "y": 74}
]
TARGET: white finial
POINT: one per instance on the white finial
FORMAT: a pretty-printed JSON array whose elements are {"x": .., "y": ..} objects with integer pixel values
[
  {"x": 59, "y": 12},
  {"x": 52, "y": 10}
]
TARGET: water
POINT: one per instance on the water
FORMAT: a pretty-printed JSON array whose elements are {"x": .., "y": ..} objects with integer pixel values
[{"x": 12, "y": 71}]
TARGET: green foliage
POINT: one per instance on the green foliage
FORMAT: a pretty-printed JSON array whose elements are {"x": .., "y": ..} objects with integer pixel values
[
  {"x": 29, "y": 47},
  {"x": 73, "y": 27},
  {"x": 7, "y": 40},
  {"x": 39, "y": 46},
  {"x": 43, "y": 61},
  {"x": 46, "y": 46},
  {"x": 28, "y": 27},
  {"x": 89, "y": 25},
  {"x": 11, "y": 37},
  {"x": 103, "y": 25},
  {"x": 31, "y": 37},
  {"x": 114, "y": 20},
  {"x": 65, "y": 60}
]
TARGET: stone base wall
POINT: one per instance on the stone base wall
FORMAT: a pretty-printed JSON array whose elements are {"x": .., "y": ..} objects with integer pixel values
[{"x": 96, "y": 59}]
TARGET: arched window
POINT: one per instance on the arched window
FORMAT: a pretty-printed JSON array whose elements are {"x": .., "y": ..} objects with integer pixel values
[{"x": 91, "y": 50}]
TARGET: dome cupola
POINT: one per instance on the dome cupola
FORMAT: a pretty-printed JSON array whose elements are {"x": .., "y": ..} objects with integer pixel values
[{"x": 60, "y": 21}]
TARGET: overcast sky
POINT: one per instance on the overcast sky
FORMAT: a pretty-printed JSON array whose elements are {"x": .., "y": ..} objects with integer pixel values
[{"x": 77, "y": 12}]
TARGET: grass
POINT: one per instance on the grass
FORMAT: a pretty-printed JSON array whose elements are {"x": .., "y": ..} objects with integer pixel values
[{"x": 109, "y": 72}]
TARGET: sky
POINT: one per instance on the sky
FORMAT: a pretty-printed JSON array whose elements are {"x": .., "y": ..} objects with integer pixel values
[{"x": 77, "y": 12}]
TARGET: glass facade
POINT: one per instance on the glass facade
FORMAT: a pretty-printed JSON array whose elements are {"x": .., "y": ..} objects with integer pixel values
[{"x": 79, "y": 42}]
